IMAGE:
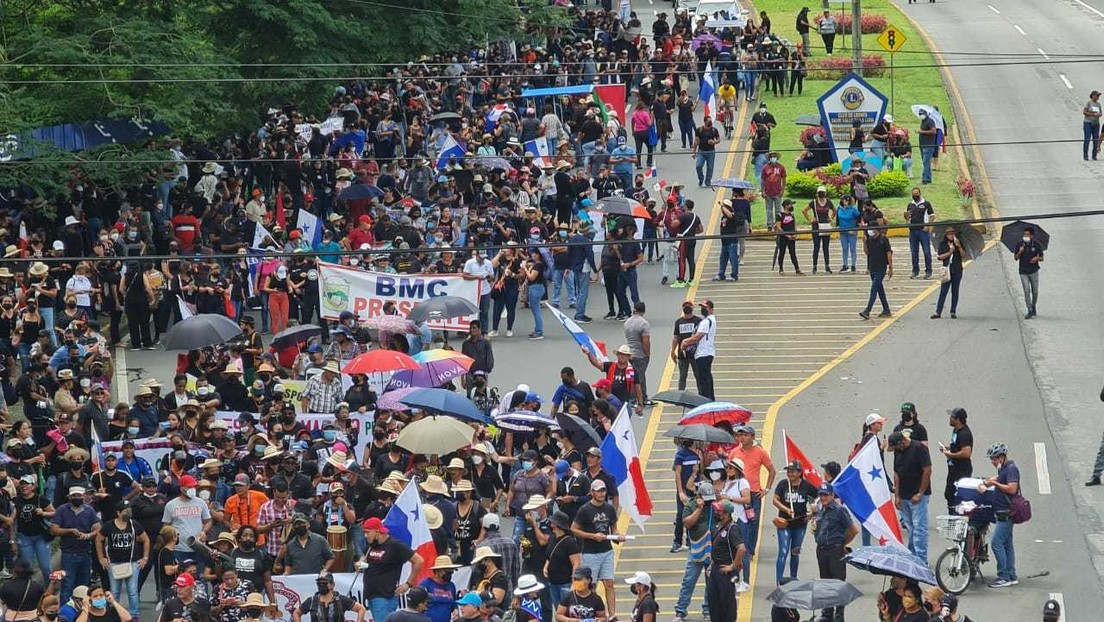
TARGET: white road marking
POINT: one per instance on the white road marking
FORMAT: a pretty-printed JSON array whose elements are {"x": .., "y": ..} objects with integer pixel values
[
  {"x": 1099, "y": 14},
  {"x": 1061, "y": 604},
  {"x": 1043, "y": 52},
  {"x": 1066, "y": 81},
  {"x": 122, "y": 391},
  {"x": 993, "y": 9},
  {"x": 1042, "y": 468},
  {"x": 1019, "y": 30}
]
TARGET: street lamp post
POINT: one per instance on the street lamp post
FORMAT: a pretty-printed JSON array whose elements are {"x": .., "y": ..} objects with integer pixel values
[{"x": 856, "y": 36}]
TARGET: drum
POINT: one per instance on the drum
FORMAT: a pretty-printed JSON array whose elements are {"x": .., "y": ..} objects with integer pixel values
[{"x": 338, "y": 536}]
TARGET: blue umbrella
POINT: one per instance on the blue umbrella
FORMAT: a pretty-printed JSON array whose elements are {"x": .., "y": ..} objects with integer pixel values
[
  {"x": 889, "y": 560},
  {"x": 524, "y": 421},
  {"x": 359, "y": 192},
  {"x": 445, "y": 402},
  {"x": 735, "y": 184}
]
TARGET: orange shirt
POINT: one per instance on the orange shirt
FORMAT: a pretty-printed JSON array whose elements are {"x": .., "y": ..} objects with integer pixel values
[
  {"x": 244, "y": 511},
  {"x": 754, "y": 461}
]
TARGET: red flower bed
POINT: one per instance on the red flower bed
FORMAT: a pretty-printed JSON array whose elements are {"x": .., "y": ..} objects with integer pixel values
[
  {"x": 835, "y": 67},
  {"x": 871, "y": 24}
]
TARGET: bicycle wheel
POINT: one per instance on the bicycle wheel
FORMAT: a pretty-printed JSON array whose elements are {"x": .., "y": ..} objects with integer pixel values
[{"x": 953, "y": 572}]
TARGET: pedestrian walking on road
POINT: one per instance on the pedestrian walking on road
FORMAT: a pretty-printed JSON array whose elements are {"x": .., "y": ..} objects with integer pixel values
[
  {"x": 950, "y": 252},
  {"x": 1091, "y": 126},
  {"x": 685, "y": 327},
  {"x": 703, "y": 346},
  {"x": 958, "y": 454},
  {"x": 595, "y": 526},
  {"x": 834, "y": 530},
  {"x": 912, "y": 489},
  {"x": 728, "y": 555},
  {"x": 929, "y": 143},
  {"x": 1004, "y": 486},
  {"x": 688, "y": 226},
  {"x": 918, "y": 213},
  {"x": 792, "y": 499},
  {"x": 786, "y": 240},
  {"x": 801, "y": 24},
  {"x": 773, "y": 185},
  {"x": 638, "y": 334},
  {"x": 847, "y": 220},
  {"x": 1030, "y": 254},
  {"x": 732, "y": 223},
  {"x": 704, "y": 151},
  {"x": 879, "y": 263}
]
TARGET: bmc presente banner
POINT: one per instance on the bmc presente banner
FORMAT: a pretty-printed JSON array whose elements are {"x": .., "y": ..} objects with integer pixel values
[
  {"x": 293, "y": 589},
  {"x": 365, "y": 293},
  {"x": 852, "y": 100}
]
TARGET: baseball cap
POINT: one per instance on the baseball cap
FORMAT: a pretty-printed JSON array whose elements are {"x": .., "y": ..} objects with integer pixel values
[
  {"x": 826, "y": 489},
  {"x": 241, "y": 479},
  {"x": 594, "y": 451},
  {"x": 1052, "y": 610},
  {"x": 895, "y": 439},
  {"x": 873, "y": 418},
  {"x": 794, "y": 466},
  {"x": 185, "y": 580},
  {"x": 374, "y": 524},
  {"x": 471, "y": 598},
  {"x": 491, "y": 520},
  {"x": 416, "y": 596},
  {"x": 639, "y": 577},
  {"x": 706, "y": 491},
  {"x": 598, "y": 484},
  {"x": 582, "y": 572},
  {"x": 187, "y": 481}
]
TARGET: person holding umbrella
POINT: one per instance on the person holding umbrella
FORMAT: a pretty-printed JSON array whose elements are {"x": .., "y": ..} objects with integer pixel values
[
  {"x": 1030, "y": 254},
  {"x": 950, "y": 253}
]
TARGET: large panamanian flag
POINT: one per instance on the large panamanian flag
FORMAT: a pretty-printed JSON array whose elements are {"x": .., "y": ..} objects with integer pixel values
[
  {"x": 597, "y": 348},
  {"x": 621, "y": 460},
  {"x": 406, "y": 521},
  {"x": 863, "y": 486},
  {"x": 708, "y": 91}
]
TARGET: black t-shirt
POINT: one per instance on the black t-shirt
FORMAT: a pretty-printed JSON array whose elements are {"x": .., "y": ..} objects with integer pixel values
[
  {"x": 21, "y": 595},
  {"x": 583, "y": 607},
  {"x": 916, "y": 431},
  {"x": 591, "y": 130},
  {"x": 688, "y": 223},
  {"x": 960, "y": 439},
  {"x": 576, "y": 486},
  {"x": 192, "y": 612},
  {"x": 908, "y": 464},
  {"x": 26, "y": 522},
  {"x": 917, "y": 213},
  {"x": 630, "y": 250},
  {"x": 623, "y": 380},
  {"x": 877, "y": 259},
  {"x": 498, "y": 580},
  {"x": 644, "y": 607},
  {"x": 684, "y": 329},
  {"x": 117, "y": 485},
  {"x": 1031, "y": 250},
  {"x": 467, "y": 529},
  {"x": 927, "y": 140},
  {"x": 109, "y": 615},
  {"x": 385, "y": 563},
  {"x": 596, "y": 519},
  {"x": 122, "y": 543},
  {"x": 726, "y": 542},
  {"x": 955, "y": 260},
  {"x": 558, "y": 553},
  {"x": 796, "y": 497},
  {"x": 251, "y": 566},
  {"x": 534, "y": 555},
  {"x": 705, "y": 136},
  {"x": 334, "y": 611}
]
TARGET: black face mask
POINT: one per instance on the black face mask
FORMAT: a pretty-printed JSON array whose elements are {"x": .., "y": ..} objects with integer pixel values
[
  {"x": 77, "y": 501},
  {"x": 300, "y": 530},
  {"x": 74, "y": 465},
  {"x": 324, "y": 588},
  {"x": 246, "y": 545},
  {"x": 447, "y": 575},
  {"x": 379, "y": 436}
]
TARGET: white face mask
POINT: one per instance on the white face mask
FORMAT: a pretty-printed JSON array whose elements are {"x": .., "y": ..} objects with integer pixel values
[
  {"x": 477, "y": 459},
  {"x": 1027, "y": 240},
  {"x": 203, "y": 390},
  {"x": 188, "y": 492},
  {"x": 713, "y": 475},
  {"x": 86, "y": 382},
  {"x": 205, "y": 494}
]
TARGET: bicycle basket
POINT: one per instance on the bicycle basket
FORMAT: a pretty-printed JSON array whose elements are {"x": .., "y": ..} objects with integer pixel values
[{"x": 951, "y": 527}]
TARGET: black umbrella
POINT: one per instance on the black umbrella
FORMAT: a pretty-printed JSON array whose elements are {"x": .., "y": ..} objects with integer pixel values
[
  {"x": 686, "y": 399},
  {"x": 1012, "y": 234},
  {"x": 444, "y": 116},
  {"x": 200, "y": 331},
  {"x": 442, "y": 308},
  {"x": 580, "y": 432},
  {"x": 360, "y": 192},
  {"x": 814, "y": 594},
  {"x": 969, "y": 237},
  {"x": 294, "y": 335},
  {"x": 701, "y": 433}
]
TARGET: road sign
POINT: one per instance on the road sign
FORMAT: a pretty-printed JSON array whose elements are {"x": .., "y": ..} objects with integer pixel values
[{"x": 892, "y": 39}]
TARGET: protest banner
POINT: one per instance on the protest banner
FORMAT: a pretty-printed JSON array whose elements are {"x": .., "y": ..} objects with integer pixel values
[
  {"x": 361, "y": 423},
  {"x": 293, "y": 589},
  {"x": 149, "y": 449},
  {"x": 364, "y": 293}
]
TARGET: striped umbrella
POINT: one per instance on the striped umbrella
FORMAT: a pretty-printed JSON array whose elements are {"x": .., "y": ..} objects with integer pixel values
[
  {"x": 524, "y": 421},
  {"x": 717, "y": 412}
]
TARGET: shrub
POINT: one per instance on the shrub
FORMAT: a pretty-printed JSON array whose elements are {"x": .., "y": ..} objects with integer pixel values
[
  {"x": 809, "y": 132},
  {"x": 836, "y": 67},
  {"x": 833, "y": 169},
  {"x": 871, "y": 24},
  {"x": 801, "y": 184},
  {"x": 888, "y": 184}
]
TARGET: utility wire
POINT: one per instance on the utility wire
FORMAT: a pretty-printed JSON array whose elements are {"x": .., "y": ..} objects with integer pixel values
[{"x": 490, "y": 249}]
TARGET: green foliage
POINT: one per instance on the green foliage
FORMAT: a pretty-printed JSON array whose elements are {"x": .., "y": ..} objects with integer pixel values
[
  {"x": 799, "y": 184},
  {"x": 888, "y": 184},
  {"x": 833, "y": 169}
]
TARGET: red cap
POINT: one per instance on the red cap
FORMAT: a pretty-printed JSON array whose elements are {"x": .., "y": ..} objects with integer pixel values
[
  {"x": 374, "y": 524},
  {"x": 365, "y": 218},
  {"x": 603, "y": 383},
  {"x": 185, "y": 580},
  {"x": 294, "y": 234},
  {"x": 187, "y": 481}
]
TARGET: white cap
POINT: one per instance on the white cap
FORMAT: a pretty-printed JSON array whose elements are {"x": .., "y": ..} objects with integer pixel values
[
  {"x": 640, "y": 577},
  {"x": 71, "y": 220},
  {"x": 76, "y": 490},
  {"x": 491, "y": 520},
  {"x": 873, "y": 418},
  {"x": 59, "y": 245}
]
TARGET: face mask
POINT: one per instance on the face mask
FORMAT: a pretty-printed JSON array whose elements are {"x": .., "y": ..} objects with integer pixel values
[
  {"x": 132, "y": 234},
  {"x": 526, "y": 465},
  {"x": 580, "y": 584},
  {"x": 114, "y": 237},
  {"x": 150, "y": 495},
  {"x": 477, "y": 459},
  {"x": 354, "y": 261},
  {"x": 247, "y": 545},
  {"x": 329, "y": 435},
  {"x": 762, "y": 110},
  {"x": 75, "y": 464},
  {"x": 281, "y": 273},
  {"x": 188, "y": 492},
  {"x": 1026, "y": 240},
  {"x": 203, "y": 390},
  {"x": 77, "y": 501},
  {"x": 71, "y": 305},
  {"x": 133, "y": 431},
  {"x": 300, "y": 530},
  {"x": 713, "y": 475},
  {"x": 86, "y": 382},
  {"x": 259, "y": 450},
  {"x": 774, "y": 160},
  {"x": 99, "y": 603},
  {"x": 205, "y": 494},
  {"x": 563, "y": 234},
  {"x": 379, "y": 436},
  {"x": 323, "y": 588}
]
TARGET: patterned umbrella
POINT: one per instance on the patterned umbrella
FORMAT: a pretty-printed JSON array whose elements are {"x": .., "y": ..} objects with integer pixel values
[
  {"x": 391, "y": 324},
  {"x": 890, "y": 560},
  {"x": 392, "y": 399},
  {"x": 524, "y": 421},
  {"x": 716, "y": 412},
  {"x": 432, "y": 373}
]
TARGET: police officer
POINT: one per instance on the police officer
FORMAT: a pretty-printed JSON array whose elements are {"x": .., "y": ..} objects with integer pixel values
[
  {"x": 834, "y": 531},
  {"x": 728, "y": 559}
]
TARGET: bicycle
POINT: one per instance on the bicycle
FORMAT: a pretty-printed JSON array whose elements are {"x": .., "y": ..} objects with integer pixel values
[
  {"x": 728, "y": 118},
  {"x": 961, "y": 563}
]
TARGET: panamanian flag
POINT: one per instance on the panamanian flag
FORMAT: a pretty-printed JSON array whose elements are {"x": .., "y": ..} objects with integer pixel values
[
  {"x": 406, "y": 521},
  {"x": 708, "y": 91},
  {"x": 621, "y": 460},
  {"x": 597, "y": 348},
  {"x": 863, "y": 486}
]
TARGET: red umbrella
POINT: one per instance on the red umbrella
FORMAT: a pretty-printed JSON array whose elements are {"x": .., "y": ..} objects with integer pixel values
[
  {"x": 716, "y": 412},
  {"x": 378, "y": 361}
]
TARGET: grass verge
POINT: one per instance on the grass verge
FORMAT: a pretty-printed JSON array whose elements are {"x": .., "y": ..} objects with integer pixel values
[{"x": 913, "y": 85}]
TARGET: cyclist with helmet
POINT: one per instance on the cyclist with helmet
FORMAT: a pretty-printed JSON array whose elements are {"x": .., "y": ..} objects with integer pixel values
[
  {"x": 726, "y": 95},
  {"x": 1004, "y": 486}
]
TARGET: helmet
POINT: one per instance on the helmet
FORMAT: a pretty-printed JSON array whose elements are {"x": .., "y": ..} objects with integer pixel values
[{"x": 997, "y": 449}]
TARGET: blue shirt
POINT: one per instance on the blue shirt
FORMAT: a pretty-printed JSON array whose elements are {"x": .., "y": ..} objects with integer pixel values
[
  {"x": 687, "y": 459},
  {"x": 329, "y": 247},
  {"x": 138, "y": 468},
  {"x": 148, "y": 418},
  {"x": 848, "y": 217},
  {"x": 1002, "y": 502},
  {"x": 83, "y": 521},
  {"x": 61, "y": 355},
  {"x": 442, "y": 599},
  {"x": 624, "y": 151}
]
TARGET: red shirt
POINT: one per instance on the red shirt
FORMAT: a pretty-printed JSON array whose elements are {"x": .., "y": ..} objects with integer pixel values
[
  {"x": 359, "y": 236},
  {"x": 185, "y": 228},
  {"x": 773, "y": 176}
]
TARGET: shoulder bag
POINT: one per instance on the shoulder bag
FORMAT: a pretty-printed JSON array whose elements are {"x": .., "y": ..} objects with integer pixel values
[
  {"x": 780, "y": 522},
  {"x": 126, "y": 569}
]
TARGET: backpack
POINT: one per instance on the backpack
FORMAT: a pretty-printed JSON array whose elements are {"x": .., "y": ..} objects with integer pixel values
[{"x": 1021, "y": 509}]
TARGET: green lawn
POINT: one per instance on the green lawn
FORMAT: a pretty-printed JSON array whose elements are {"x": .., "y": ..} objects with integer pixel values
[{"x": 913, "y": 86}]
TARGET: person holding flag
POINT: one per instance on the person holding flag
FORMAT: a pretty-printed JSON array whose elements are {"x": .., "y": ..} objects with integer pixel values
[{"x": 383, "y": 562}]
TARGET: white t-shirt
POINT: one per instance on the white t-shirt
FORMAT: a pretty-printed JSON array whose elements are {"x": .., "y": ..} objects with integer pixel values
[
  {"x": 81, "y": 288},
  {"x": 734, "y": 489},
  {"x": 484, "y": 271},
  {"x": 705, "y": 345}
]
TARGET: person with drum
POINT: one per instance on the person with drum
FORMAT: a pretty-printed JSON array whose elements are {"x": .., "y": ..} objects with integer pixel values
[{"x": 336, "y": 515}]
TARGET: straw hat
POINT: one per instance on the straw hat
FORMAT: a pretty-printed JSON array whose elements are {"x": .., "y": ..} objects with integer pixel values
[
  {"x": 339, "y": 459},
  {"x": 254, "y": 601},
  {"x": 143, "y": 391},
  {"x": 434, "y": 517},
  {"x": 209, "y": 167},
  {"x": 463, "y": 485},
  {"x": 535, "y": 502},
  {"x": 38, "y": 269},
  {"x": 11, "y": 250},
  {"x": 434, "y": 484},
  {"x": 234, "y": 367},
  {"x": 332, "y": 367},
  {"x": 75, "y": 454},
  {"x": 563, "y": 165},
  {"x": 210, "y": 463},
  {"x": 456, "y": 463},
  {"x": 484, "y": 552},
  {"x": 225, "y": 536},
  {"x": 271, "y": 452},
  {"x": 5, "y": 273},
  {"x": 443, "y": 562},
  {"x": 392, "y": 486},
  {"x": 344, "y": 173}
]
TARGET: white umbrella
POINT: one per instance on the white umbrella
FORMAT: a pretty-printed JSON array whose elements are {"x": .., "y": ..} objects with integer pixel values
[
  {"x": 935, "y": 115},
  {"x": 435, "y": 436}
]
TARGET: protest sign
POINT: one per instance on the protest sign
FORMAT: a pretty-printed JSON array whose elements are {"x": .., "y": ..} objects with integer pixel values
[{"x": 365, "y": 293}]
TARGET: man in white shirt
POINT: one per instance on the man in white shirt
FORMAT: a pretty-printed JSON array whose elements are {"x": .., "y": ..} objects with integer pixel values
[
  {"x": 80, "y": 287},
  {"x": 703, "y": 344},
  {"x": 478, "y": 268}
]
